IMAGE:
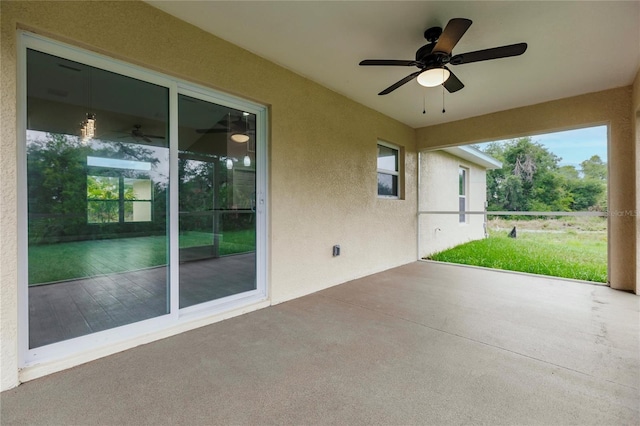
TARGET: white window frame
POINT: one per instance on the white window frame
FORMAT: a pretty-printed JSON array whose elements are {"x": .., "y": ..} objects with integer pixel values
[
  {"x": 397, "y": 173},
  {"x": 462, "y": 217},
  {"x": 46, "y": 359}
]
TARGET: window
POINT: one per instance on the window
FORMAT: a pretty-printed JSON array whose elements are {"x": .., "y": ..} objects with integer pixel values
[
  {"x": 114, "y": 198},
  {"x": 388, "y": 170},
  {"x": 462, "y": 194},
  {"x": 103, "y": 204}
]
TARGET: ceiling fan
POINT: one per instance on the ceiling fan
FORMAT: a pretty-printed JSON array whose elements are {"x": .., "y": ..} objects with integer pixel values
[
  {"x": 137, "y": 133},
  {"x": 432, "y": 58},
  {"x": 238, "y": 124}
]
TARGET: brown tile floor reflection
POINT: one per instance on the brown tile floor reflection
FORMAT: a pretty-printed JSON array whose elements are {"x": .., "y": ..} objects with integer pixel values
[{"x": 74, "y": 308}]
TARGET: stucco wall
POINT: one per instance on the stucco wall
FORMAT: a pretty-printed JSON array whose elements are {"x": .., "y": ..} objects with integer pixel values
[
  {"x": 322, "y": 149},
  {"x": 439, "y": 192},
  {"x": 611, "y": 107},
  {"x": 635, "y": 118}
]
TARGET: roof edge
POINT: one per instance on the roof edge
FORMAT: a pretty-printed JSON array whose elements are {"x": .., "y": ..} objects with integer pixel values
[{"x": 474, "y": 155}]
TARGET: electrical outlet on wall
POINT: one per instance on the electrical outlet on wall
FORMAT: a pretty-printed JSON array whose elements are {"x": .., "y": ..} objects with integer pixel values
[{"x": 336, "y": 250}]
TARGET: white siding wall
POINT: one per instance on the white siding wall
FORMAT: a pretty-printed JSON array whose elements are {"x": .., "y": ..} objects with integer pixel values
[{"x": 439, "y": 192}]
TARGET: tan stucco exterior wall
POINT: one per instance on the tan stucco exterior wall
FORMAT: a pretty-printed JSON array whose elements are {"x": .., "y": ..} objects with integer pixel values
[
  {"x": 322, "y": 149},
  {"x": 635, "y": 119},
  {"x": 439, "y": 192},
  {"x": 610, "y": 107}
]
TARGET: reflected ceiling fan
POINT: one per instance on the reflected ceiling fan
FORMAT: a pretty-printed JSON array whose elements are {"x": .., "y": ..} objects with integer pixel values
[
  {"x": 238, "y": 128},
  {"x": 137, "y": 133},
  {"x": 432, "y": 58}
]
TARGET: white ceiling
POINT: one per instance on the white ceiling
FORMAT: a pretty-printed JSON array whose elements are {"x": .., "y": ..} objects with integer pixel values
[{"x": 575, "y": 47}]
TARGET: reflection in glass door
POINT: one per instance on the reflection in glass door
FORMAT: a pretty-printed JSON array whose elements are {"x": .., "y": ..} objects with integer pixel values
[
  {"x": 217, "y": 193},
  {"x": 97, "y": 152},
  {"x": 131, "y": 209}
]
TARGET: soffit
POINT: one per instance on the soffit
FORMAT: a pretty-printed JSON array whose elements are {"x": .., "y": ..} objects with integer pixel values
[{"x": 573, "y": 48}]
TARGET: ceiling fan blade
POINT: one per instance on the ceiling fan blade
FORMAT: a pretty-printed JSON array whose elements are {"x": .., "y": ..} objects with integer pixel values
[
  {"x": 452, "y": 34},
  {"x": 400, "y": 83},
  {"x": 388, "y": 62},
  {"x": 487, "y": 54},
  {"x": 212, "y": 130},
  {"x": 453, "y": 84},
  {"x": 225, "y": 130}
]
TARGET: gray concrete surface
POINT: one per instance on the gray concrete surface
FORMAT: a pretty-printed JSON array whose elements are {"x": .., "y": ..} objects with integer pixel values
[{"x": 425, "y": 343}]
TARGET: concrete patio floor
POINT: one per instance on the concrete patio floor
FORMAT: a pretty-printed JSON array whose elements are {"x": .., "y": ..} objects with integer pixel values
[{"x": 424, "y": 343}]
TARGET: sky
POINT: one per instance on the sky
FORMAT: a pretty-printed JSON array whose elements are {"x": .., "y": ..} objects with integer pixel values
[{"x": 575, "y": 146}]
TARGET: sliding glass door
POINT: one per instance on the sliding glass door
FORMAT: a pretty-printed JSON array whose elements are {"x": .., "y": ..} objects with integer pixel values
[
  {"x": 97, "y": 179},
  {"x": 144, "y": 201},
  {"x": 217, "y": 193}
]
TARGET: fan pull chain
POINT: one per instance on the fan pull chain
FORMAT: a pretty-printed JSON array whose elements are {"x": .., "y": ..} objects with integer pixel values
[
  {"x": 424, "y": 101},
  {"x": 443, "y": 110}
]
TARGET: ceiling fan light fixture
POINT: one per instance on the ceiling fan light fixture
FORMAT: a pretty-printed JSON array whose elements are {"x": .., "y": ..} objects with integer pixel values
[
  {"x": 433, "y": 77},
  {"x": 240, "y": 137},
  {"x": 431, "y": 58}
]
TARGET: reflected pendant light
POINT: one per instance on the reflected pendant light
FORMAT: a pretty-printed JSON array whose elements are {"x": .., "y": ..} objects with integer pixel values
[
  {"x": 242, "y": 137},
  {"x": 246, "y": 161},
  {"x": 229, "y": 164},
  {"x": 88, "y": 130}
]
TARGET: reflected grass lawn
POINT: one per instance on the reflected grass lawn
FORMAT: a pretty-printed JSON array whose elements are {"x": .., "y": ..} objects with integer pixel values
[
  {"x": 80, "y": 259},
  {"x": 576, "y": 255}
]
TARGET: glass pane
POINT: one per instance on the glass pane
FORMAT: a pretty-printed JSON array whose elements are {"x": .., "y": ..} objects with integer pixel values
[
  {"x": 103, "y": 211},
  {"x": 137, "y": 211},
  {"x": 387, "y": 158},
  {"x": 462, "y": 179},
  {"x": 136, "y": 194},
  {"x": 462, "y": 201},
  {"x": 387, "y": 185},
  {"x": 103, "y": 188},
  {"x": 217, "y": 189},
  {"x": 97, "y": 180}
]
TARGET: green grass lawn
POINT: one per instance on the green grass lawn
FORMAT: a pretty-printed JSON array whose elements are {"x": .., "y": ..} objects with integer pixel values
[
  {"x": 576, "y": 255},
  {"x": 64, "y": 261}
]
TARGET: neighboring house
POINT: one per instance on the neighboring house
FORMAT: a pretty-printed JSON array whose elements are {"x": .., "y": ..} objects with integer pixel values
[
  {"x": 455, "y": 180},
  {"x": 317, "y": 176}
]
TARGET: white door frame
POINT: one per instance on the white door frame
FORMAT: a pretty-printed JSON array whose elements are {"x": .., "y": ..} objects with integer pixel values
[{"x": 46, "y": 359}]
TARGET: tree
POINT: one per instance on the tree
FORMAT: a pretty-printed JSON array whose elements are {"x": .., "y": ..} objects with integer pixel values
[
  {"x": 529, "y": 178},
  {"x": 594, "y": 168},
  {"x": 569, "y": 172},
  {"x": 56, "y": 182},
  {"x": 588, "y": 194},
  {"x": 591, "y": 193},
  {"x": 103, "y": 195},
  {"x": 532, "y": 180},
  {"x": 67, "y": 198}
]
